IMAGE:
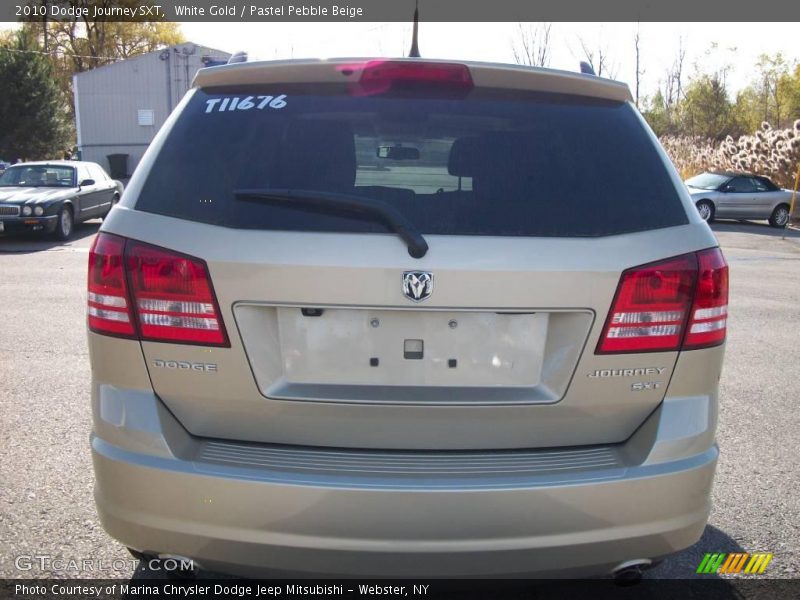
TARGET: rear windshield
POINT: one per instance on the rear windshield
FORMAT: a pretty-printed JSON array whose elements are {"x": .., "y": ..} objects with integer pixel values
[{"x": 493, "y": 163}]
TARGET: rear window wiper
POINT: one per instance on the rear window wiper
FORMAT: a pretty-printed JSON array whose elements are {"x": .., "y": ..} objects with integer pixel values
[{"x": 379, "y": 211}]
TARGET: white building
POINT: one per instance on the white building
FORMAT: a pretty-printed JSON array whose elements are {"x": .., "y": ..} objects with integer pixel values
[{"x": 119, "y": 107}]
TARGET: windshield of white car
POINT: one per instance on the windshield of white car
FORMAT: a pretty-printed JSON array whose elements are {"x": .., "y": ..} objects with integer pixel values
[
  {"x": 707, "y": 181},
  {"x": 38, "y": 176}
]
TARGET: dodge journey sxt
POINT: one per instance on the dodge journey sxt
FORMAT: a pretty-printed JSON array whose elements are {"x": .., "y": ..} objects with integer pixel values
[{"x": 405, "y": 318}]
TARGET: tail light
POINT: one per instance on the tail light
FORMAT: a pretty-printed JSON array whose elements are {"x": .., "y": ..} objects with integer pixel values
[
  {"x": 709, "y": 318},
  {"x": 164, "y": 296},
  {"x": 108, "y": 301},
  {"x": 679, "y": 303},
  {"x": 172, "y": 296}
]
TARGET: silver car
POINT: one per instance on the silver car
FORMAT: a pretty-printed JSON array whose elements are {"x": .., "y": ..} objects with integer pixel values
[
  {"x": 730, "y": 195},
  {"x": 375, "y": 340}
]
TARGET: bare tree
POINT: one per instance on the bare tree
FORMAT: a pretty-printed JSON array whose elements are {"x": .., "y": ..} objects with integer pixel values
[
  {"x": 773, "y": 69},
  {"x": 673, "y": 78},
  {"x": 598, "y": 59},
  {"x": 637, "y": 38},
  {"x": 532, "y": 46},
  {"x": 677, "y": 68},
  {"x": 672, "y": 90},
  {"x": 669, "y": 89}
]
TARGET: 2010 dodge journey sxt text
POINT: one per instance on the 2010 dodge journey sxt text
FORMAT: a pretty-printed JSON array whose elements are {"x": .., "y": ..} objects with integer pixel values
[{"x": 439, "y": 319}]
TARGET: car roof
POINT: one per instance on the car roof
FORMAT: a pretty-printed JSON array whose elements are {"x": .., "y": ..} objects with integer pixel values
[
  {"x": 726, "y": 173},
  {"x": 497, "y": 75}
]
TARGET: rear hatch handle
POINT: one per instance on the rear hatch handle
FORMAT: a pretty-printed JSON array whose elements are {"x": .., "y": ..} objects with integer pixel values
[{"x": 329, "y": 201}]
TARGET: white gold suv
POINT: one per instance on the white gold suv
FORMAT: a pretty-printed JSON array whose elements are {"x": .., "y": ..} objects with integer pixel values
[{"x": 408, "y": 318}]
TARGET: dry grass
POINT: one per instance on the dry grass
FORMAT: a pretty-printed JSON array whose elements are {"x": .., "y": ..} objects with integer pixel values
[{"x": 771, "y": 152}]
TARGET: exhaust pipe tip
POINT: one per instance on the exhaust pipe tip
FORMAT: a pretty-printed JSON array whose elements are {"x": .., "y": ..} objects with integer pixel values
[{"x": 630, "y": 572}]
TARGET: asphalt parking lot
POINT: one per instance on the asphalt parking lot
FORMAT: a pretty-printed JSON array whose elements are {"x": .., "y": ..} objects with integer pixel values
[{"x": 46, "y": 505}]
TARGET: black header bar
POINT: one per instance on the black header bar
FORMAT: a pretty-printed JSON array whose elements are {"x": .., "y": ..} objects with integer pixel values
[{"x": 403, "y": 10}]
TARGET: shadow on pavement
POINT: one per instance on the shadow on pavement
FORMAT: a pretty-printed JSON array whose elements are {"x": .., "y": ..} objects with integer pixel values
[
  {"x": 684, "y": 564},
  {"x": 38, "y": 242},
  {"x": 754, "y": 227}
]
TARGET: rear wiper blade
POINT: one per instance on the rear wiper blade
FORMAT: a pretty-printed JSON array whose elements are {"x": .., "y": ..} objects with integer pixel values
[{"x": 380, "y": 211}]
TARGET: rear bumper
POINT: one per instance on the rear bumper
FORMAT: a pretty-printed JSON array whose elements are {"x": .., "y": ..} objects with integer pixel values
[
  {"x": 12, "y": 225},
  {"x": 157, "y": 491}
]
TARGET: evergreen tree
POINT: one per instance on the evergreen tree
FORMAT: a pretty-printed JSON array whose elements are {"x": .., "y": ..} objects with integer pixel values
[{"x": 32, "y": 105}]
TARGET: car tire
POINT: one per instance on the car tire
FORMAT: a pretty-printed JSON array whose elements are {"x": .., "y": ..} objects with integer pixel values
[
  {"x": 65, "y": 224},
  {"x": 114, "y": 201},
  {"x": 779, "y": 217},
  {"x": 706, "y": 210}
]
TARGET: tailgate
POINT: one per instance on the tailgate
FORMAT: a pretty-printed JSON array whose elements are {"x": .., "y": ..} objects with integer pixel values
[
  {"x": 305, "y": 326},
  {"x": 322, "y": 191}
]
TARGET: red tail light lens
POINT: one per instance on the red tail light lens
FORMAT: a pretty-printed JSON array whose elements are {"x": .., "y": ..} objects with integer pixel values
[
  {"x": 170, "y": 296},
  {"x": 709, "y": 318},
  {"x": 173, "y": 297},
  {"x": 108, "y": 301},
  {"x": 378, "y": 76},
  {"x": 650, "y": 307},
  {"x": 679, "y": 303}
]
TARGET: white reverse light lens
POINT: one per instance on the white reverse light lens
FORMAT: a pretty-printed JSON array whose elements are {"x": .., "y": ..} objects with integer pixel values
[
  {"x": 708, "y": 326},
  {"x": 711, "y": 313},
  {"x": 178, "y": 321},
  {"x": 111, "y": 315},
  {"x": 647, "y": 317},
  {"x": 651, "y": 331},
  {"x": 107, "y": 300}
]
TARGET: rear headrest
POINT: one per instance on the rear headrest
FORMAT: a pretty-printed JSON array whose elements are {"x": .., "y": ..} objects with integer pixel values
[
  {"x": 514, "y": 163},
  {"x": 317, "y": 154},
  {"x": 464, "y": 157},
  {"x": 512, "y": 151},
  {"x": 499, "y": 152}
]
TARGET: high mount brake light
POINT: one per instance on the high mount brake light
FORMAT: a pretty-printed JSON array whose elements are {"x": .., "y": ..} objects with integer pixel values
[
  {"x": 144, "y": 292},
  {"x": 678, "y": 303},
  {"x": 379, "y": 76}
]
